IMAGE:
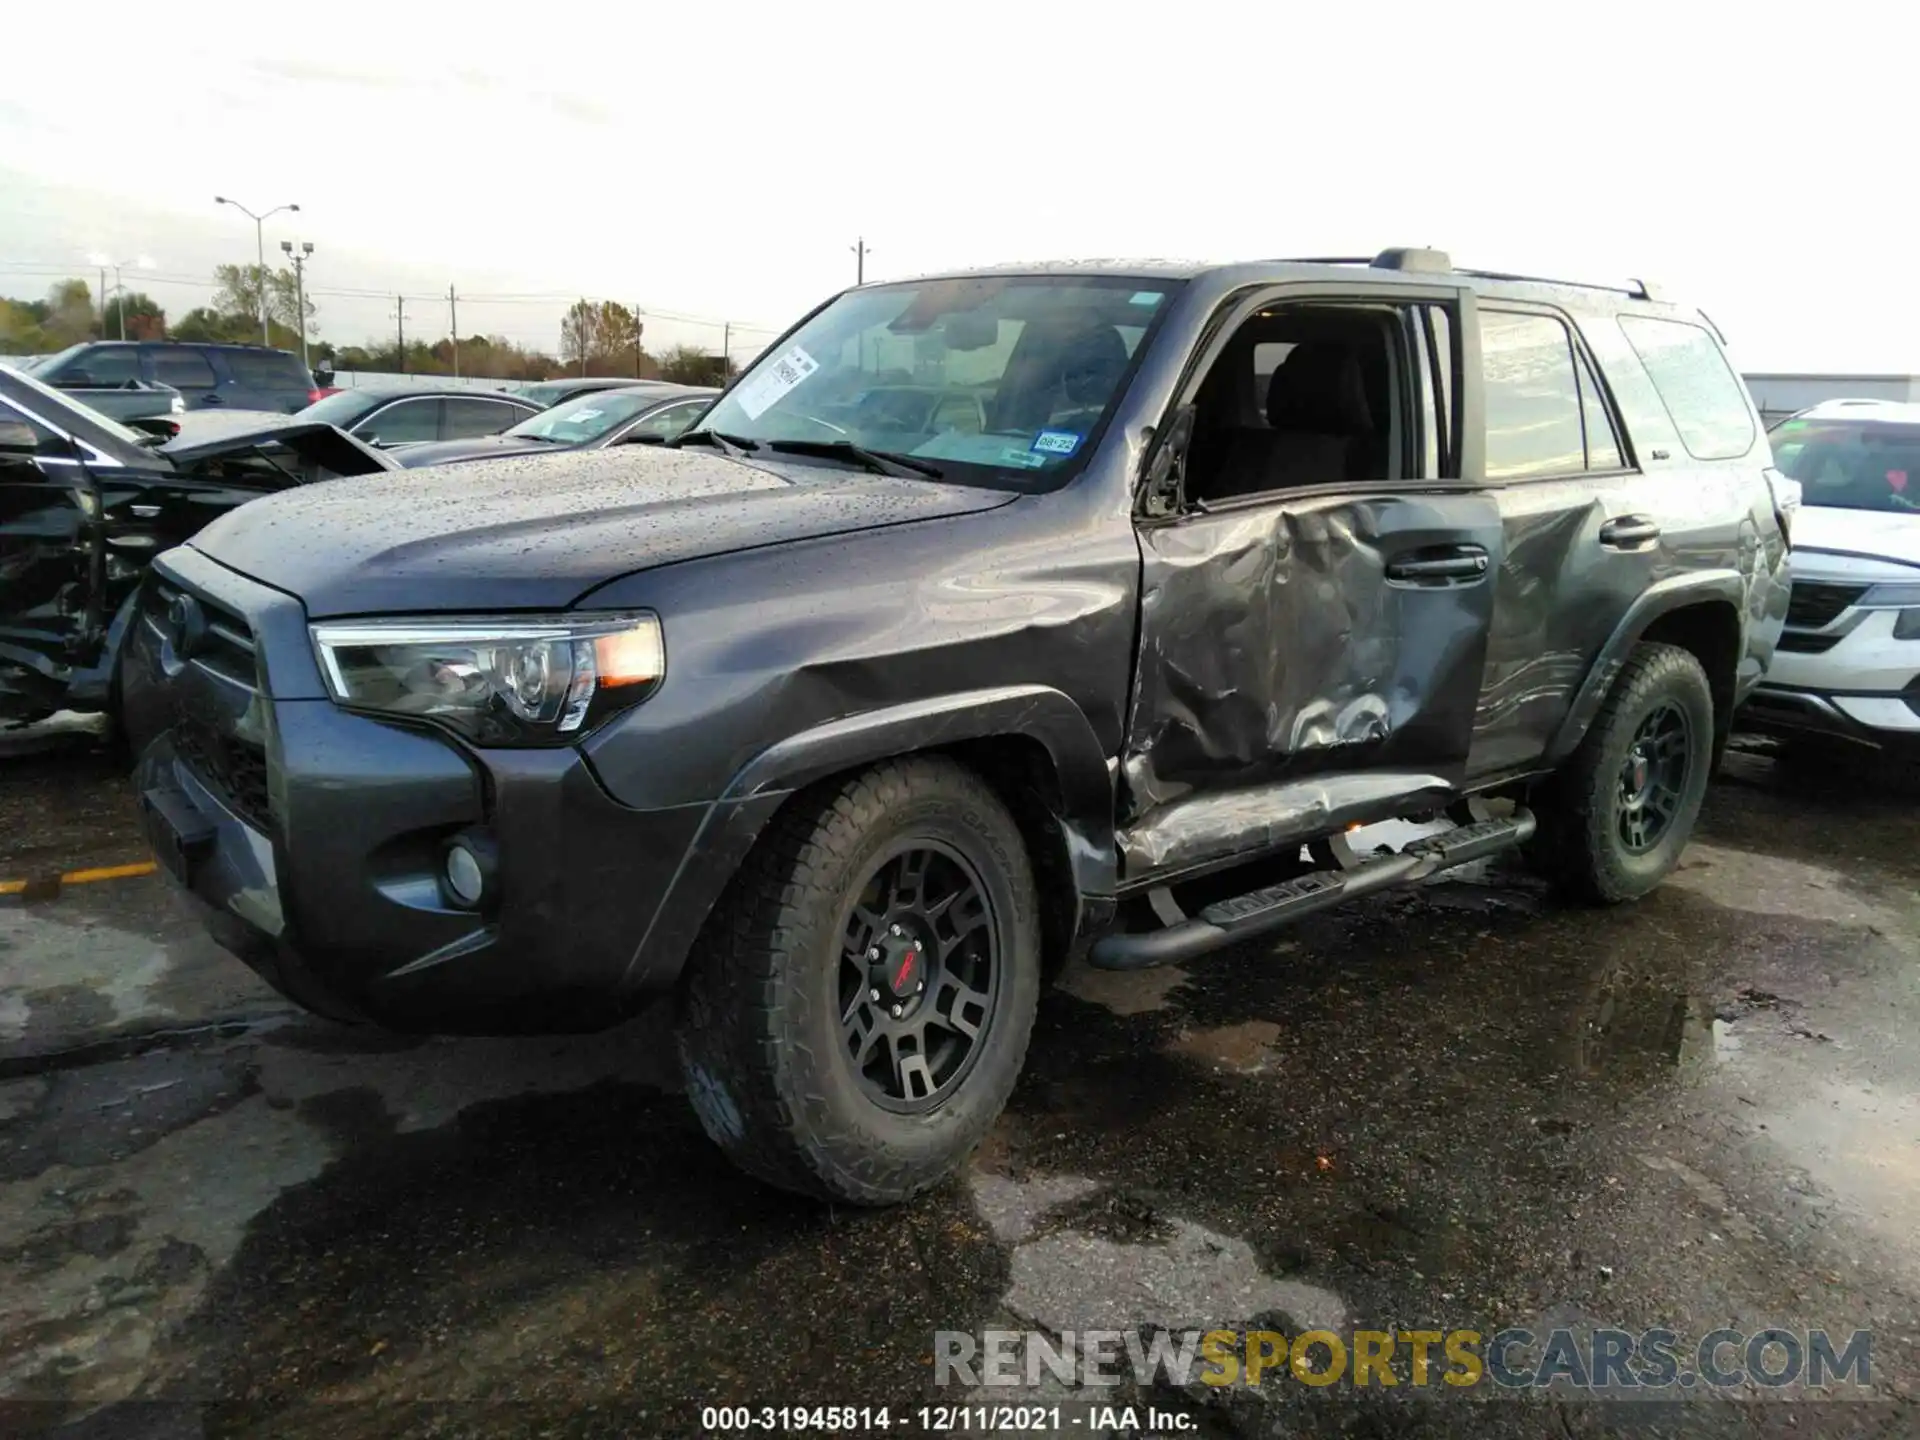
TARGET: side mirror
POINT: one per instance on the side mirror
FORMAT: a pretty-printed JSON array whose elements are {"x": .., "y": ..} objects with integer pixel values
[{"x": 18, "y": 436}]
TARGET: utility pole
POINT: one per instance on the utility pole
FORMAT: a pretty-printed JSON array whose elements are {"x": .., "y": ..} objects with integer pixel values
[
  {"x": 400, "y": 318},
  {"x": 453, "y": 324},
  {"x": 637, "y": 327},
  {"x": 103, "y": 305},
  {"x": 726, "y": 351},
  {"x": 586, "y": 319},
  {"x": 859, "y": 261},
  {"x": 260, "y": 251},
  {"x": 299, "y": 258}
]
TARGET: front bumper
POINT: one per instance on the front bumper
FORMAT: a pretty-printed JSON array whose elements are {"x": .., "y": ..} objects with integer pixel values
[
  {"x": 1851, "y": 679},
  {"x": 313, "y": 840}
]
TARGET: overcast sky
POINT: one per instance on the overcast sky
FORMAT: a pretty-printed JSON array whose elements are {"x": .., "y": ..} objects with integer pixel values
[{"x": 718, "y": 161}]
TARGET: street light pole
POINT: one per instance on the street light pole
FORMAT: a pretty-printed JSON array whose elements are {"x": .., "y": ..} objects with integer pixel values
[
  {"x": 260, "y": 250},
  {"x": 299, "y": 289}
]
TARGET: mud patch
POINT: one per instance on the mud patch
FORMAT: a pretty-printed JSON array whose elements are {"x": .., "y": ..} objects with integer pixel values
[
  {"x": 1125, "y": 992},
  {"x": 1243, "y": 1049}
]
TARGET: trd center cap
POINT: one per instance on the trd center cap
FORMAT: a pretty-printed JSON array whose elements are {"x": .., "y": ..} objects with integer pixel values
[{"x": 902, "y": 967}]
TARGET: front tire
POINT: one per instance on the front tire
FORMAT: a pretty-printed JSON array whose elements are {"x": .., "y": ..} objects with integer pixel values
[
  {"x": 861, "y": 1002},
  {"x": 1614, "y": 819}
]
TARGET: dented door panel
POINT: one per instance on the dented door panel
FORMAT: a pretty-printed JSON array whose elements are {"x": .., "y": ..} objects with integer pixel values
[{"x": 1285, "y": 646}]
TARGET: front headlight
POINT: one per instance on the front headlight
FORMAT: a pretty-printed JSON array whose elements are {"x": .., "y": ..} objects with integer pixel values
[{"x": 513, "y": 680}]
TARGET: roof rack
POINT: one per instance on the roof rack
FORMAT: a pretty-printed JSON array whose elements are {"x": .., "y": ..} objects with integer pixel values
[{"x": 1437, "y": 262}]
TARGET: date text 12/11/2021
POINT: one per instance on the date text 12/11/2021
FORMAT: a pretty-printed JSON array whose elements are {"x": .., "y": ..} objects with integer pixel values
[{"x": 944, "y": 1419}]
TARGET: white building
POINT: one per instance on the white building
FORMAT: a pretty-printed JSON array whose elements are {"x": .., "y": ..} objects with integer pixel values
[{"x": 1778, "y": 396}]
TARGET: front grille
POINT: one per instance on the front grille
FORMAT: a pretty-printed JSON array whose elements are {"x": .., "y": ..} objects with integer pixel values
[
  {"x": 236, "y": 769},
  {"x": 228, "y": 649},
  {"x": 1811, "y": 604},
  {"x": 1799, "y": 643}
]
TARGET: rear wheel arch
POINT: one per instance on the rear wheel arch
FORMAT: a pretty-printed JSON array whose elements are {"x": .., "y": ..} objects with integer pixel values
[{"x": 1700, "y": 614}]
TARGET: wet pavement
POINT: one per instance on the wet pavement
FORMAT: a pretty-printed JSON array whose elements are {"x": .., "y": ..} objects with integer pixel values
[{"x": 1460, "y": 1107}]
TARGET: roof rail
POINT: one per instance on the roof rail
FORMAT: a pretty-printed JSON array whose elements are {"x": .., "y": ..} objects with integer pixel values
[{"x": 1426, "y": 261}]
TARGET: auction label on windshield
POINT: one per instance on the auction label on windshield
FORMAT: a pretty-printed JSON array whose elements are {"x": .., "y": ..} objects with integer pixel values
[{"x": 775, "y": 380}]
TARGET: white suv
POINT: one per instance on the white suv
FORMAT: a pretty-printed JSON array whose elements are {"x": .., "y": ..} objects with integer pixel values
[{"x": 1848, "y": 664}]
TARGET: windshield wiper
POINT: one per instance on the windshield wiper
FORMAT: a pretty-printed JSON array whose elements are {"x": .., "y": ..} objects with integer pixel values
[
  {"x": 881, "y": 462},
  {"x": 734, "y": 445}
]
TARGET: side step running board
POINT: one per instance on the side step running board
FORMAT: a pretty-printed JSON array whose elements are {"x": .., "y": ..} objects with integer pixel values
[{"x": 1228, "y": 922}]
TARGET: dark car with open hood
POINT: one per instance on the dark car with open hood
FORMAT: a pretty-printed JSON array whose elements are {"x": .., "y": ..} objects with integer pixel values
[
  {"x": 988, "y": 618},
  {"x": 86, "y": 502}
]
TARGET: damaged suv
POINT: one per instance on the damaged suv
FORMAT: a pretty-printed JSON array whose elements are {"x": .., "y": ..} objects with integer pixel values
[{"x": 845, "y": 721}]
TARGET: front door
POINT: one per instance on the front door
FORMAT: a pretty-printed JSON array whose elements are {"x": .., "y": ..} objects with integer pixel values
[{"x": 1316, "y": 598}]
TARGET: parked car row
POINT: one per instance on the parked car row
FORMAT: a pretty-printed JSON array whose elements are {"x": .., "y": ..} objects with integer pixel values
[{"x": 1011, "y": 614}]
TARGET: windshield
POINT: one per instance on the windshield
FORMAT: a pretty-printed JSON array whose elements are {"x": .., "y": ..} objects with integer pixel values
[
  {"x": 1852, "y": 464},
  {"x": 87, "y": 413},
  {"x": 1009, "y": 374},
  {"x": 46, "y": 364},
  {"x": 587, "y": 417}
]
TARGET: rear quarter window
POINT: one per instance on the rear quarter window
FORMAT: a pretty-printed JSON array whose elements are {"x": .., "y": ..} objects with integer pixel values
[{"x": 1703, "y": 397}]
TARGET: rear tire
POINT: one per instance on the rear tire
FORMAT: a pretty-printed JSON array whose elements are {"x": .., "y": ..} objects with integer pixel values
[
  {"x": 1614, "y": 819},
  {"x": 860, "y": 1005}
]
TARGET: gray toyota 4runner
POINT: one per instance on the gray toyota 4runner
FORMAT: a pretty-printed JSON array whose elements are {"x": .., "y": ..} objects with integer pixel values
[{"x": 988, "y": 618}]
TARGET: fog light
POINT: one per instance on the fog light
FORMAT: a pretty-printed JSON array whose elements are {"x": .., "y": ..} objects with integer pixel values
[{"x": 463, "y": 875}]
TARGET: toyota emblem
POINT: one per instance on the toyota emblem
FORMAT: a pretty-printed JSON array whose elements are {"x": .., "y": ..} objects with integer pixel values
[{"x": 186, "y": 626}]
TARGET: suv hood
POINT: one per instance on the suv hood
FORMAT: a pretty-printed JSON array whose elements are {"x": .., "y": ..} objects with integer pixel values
[
  {"x": 537, "y": 533},
  {"x": 1866, "y": 534}
]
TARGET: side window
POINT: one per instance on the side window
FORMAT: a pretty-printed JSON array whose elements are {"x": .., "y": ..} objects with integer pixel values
[
  {"x": 1304, "y": 394},
  {"x": 183, "y": 369},
  {"x": 466, "y": 418},
  {"x": 1531, "y": 395},
  {"x": 402, "y": 423},
  {"x": 1703, "y": 396},
  {"x": 105, "y": 365},
  {"x": 1603, "y": 445},
  {"x": 267, "y": 371}
]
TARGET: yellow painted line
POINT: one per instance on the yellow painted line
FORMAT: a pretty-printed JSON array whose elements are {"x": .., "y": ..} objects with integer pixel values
[{"x": 82, "y": 877}]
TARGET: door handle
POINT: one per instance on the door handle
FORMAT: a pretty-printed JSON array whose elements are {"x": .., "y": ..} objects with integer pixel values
[
  {"x": 1444, "y": 567},
  {"x": 1629, "y": 532},
  {"x": 145, "y": 512},
  {"x": 211, "y": 399}
]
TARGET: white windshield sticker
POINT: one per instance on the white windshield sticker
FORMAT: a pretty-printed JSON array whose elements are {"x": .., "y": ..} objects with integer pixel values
[
  {"x": 587, "y": 414},
  {"x": 776, "y": 379}
]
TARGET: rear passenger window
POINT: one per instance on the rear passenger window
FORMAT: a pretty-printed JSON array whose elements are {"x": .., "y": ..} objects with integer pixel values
[
  {"x": 267, "y": 372},
  {"x": 462, "y": 419},
  {"x": 402, "y": 423},
  {"x": 1704, "y": 397},
  {"x": 1532, "y": 397},
  {"x": 183, "y": 370}
]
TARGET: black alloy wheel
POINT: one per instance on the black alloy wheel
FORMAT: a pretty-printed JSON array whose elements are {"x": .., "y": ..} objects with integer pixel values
[
  {"x": 919, "y": 977},
  {"x": 1653, "y": 778}
]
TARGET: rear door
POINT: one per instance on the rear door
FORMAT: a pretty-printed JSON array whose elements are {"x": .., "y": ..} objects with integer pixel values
[
  {"x": 1574, "y": 561},
  {"x": 267, "y": 380},
  {"x": 1312, "y": 656},
  {"x": 187, "y": 369}
]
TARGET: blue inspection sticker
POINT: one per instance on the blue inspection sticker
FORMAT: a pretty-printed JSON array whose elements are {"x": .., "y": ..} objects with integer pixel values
[
  {"x": 1146, "y": 297},
  {"x": 1056, "y": 442}
]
